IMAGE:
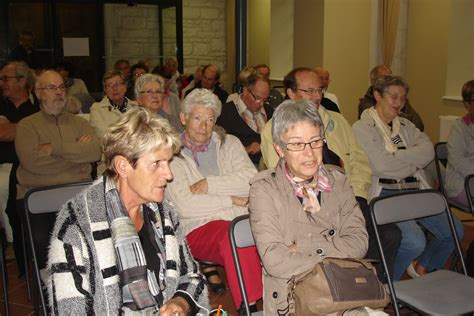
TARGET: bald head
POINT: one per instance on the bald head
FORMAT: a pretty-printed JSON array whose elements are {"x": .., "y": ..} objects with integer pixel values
[
  {"x": 51, "y": 92},
  {"x": 378, "y": 72},
  {"x": 323, "y": 75}
]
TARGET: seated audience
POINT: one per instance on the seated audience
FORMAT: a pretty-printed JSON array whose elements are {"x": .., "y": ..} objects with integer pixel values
[
  {"x": 210, "y": 188},
  {"x": 53, "y": 146},
  {"x": 76, "y": 88},
  {"x": 246, "y": 116},
  {"x": 275, "y": 97},
  {"x": 210, "y": 81},
  {"x": 461, "y": 149},
  {"x": 369, "y": 101},
  {"x": 150, "y": 94},
  {"x": 398, "y": 151},
  {"x": 16, "y": 80},
  {"x": 171, "y": 66},
  {"x": 113, "y": 105},
  {"x": 301, "y": 211},
  {"x": 329, "y": 100},
  {"x": 137, "y": 70},
  {"x": 304, "y": 83},
  {"x": 194, "y": 80},
  {"x": 122, "y": 237}
]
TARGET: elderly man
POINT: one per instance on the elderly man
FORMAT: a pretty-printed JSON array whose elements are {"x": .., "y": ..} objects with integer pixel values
[
  {"x": 53, "y": 146},
  {"x": 171, "y": 66},
  {"x": 329, "y": 100},
  {"x": 15, "y": 80},
  {"x": 369, "y": 101},
  {"x": 275, "y": 97},
  {"x": 304, "y": 83},
  {"x": 210, "y": 81},
  {"x": 246, "y": 116}
]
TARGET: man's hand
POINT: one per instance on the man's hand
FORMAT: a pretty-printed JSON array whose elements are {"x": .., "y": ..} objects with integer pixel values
[
  {"x": 199, "y": 187},
  {"x": 46, "y": 148},
  {"x": 174, "y": 307},
  {"x": 84, "y": 139},
  {"x": 253, "y": 148},
  {"x": 240, "y": 201}
]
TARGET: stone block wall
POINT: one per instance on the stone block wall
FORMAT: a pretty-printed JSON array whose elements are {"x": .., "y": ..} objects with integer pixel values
[
  {"x": 204, "y": 35},
  {"x": 132, "y": 33}
]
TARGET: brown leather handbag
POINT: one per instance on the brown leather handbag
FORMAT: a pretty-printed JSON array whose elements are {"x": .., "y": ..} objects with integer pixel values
[{"x": 336, "y": 285}]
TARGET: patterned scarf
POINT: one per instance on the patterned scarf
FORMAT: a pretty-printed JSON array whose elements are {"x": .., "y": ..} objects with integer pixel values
[
  {"x": 194, "y": 148},
  {"x": 308, "y": 190},
  {"x": 138, "y": 288},
  {"x": 467, "y": 119},
  {"x": 392, "y": 138},
  {"x": 121, "y": 108},
  {"x": 255, "y": 121}
]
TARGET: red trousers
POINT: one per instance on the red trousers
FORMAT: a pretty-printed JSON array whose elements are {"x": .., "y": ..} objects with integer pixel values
[{"x": 211, "y": 242}]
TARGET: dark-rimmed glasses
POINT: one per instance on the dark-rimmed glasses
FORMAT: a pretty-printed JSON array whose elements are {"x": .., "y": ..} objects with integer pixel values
[
  {"x": 257, "y": 98},
  {"x": 300, "y": 146}
]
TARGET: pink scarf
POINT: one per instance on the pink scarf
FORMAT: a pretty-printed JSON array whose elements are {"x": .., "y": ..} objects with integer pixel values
[
  {"x": 194, "y": 148},
  {"x": 308, "y": 190},
  {"x": 467, "y": 119}
]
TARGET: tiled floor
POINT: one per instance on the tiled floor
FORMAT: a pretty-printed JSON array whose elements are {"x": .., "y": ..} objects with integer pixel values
[{"x": 20, "y": 306}]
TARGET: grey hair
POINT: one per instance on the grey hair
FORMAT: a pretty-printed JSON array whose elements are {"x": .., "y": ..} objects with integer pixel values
[
  {"x": 140, "y": 82},
  {"x": 201, "y": 97},
  {"x": 291, "y": 112},
  {"x": 23, "y": 71},
  {"x": 382, "y": 84}
]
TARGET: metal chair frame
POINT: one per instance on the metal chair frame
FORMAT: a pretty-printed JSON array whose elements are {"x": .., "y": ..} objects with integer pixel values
[
  {"x": 46, "y": 201},
  {"x": 384, "y": 211}
]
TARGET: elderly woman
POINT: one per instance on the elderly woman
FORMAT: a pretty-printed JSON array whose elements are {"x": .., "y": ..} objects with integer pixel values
[
  {"x": 118, "y": 246},
  {"x": 210, "y": 188},
  {"x": 113, "y": 105},
  {"x": 461, "y": 149},
  {"x": 150, "y": 93},
  {"x": 301, "y": 211},
  {"x": 398, "y": 151}
]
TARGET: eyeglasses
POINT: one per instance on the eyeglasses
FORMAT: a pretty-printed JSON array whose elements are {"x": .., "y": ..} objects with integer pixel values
[
  {"x": 138, "y": 74},
  {"x": 114, "y": 85},
  {"x": 396, "y": 97},
  {"x": 151, "y": 92},
  {"x": 6, "y": 78},
  {"x": 319, "y": 91},
  {"x": 257, "y": 98},
  {"x": 52, "y": 88},
  {"x": 315, "y": 144}
]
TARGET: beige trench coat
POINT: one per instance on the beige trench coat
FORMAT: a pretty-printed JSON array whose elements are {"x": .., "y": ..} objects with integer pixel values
[{"x": 278, "y": 221}]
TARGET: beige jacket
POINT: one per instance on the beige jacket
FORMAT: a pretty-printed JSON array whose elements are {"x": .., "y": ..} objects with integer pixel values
[
  {"x": 278, "y": 221},
  {"x": 69, "y": 161},
  {"x": 103, "y": 115}
]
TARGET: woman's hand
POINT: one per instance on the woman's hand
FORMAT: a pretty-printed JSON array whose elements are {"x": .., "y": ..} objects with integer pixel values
[
  {"x": 199, "y": 187},
  {"x": 240, "y": 201},
  {"x": 293, "y": 248},
  {"x": 174, "y": 307}
]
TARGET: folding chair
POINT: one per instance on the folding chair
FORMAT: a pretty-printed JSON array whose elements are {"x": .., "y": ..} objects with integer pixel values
[
  {"x": 441, "y": 157},
  {"x": 241, "y": 237},
  {"x": 469, "y": 187},
  {"x": 41, "y": 207},
  {"x": 441, "y": 292}
]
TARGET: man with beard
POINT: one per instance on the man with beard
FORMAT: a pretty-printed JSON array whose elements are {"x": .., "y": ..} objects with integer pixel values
[{"x": 53, "y": 146}]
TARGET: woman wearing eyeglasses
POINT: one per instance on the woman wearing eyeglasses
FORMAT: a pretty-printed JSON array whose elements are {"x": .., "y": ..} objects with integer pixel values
[
  {"x": 150, "y": 93},
  {"x": 113, "y": 105},
  {"x": 398, "y": 151},
  {"x": 301, "y": 211},
  {"x": 461, "y": 148},
  {"x": 210, "y": 188}
]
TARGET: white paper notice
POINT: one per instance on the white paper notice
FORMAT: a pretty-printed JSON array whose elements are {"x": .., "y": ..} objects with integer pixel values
[{"x": 76, "y": 46}]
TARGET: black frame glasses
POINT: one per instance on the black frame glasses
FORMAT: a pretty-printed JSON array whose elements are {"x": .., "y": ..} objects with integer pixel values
[{"x": 300, "y": 146}]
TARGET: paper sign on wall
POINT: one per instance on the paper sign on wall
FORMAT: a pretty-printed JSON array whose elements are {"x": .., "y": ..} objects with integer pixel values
[{"x": 76, "y": 46}]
